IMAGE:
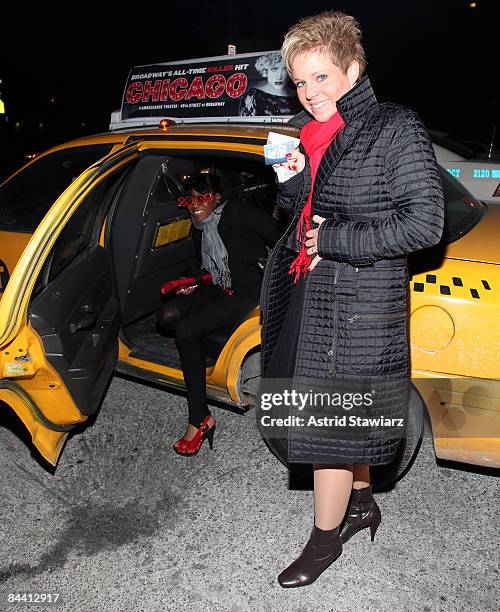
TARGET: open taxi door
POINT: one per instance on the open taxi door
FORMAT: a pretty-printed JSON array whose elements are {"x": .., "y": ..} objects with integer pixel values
[{"x": 59, "y": 315}]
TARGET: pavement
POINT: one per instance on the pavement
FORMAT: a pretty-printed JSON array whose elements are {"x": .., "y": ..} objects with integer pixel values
[{"x": 124, "y": 523}]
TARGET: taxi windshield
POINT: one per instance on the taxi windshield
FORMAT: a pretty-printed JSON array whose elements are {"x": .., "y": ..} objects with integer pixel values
[
  {"x": 28, "y": 195},
  {"x": 462, "y": 210}
]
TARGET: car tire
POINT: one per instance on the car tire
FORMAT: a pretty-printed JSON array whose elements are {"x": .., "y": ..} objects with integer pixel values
[
  {"x": 386, "y": 475},
  {"x": 279, "y": 448}
]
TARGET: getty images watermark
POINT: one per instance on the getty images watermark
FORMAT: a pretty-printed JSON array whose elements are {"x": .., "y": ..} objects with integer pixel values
[{"x": 332, "y": 405}]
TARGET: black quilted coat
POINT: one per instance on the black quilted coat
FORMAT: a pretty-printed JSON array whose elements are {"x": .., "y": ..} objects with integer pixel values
[{"x": 378, "y": 188}]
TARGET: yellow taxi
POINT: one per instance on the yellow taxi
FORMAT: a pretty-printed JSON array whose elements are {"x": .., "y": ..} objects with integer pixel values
[{"x": 91, "y": 229}]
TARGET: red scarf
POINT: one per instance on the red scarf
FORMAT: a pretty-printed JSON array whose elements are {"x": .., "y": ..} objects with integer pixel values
[{"x": 315, "y": 136}]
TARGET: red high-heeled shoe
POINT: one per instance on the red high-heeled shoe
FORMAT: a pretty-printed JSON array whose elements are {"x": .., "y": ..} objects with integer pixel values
[{"x": 191, "y": 447}]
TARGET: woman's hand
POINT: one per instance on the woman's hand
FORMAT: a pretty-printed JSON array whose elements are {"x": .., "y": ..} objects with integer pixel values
[
  {"x": 295, "y": 162},
  {"x": 312, "y": 242}
]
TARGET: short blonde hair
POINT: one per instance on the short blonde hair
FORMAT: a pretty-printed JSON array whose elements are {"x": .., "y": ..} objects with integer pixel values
[{"x": 334, "y": 32}]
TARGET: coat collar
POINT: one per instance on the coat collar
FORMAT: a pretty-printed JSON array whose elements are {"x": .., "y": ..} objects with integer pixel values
[
  {"x": 350, "y": 106},
  {"x": 354, "y": 108}
]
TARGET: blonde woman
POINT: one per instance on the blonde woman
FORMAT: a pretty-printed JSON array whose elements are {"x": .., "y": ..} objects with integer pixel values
[{"x": 365, "y": 192}]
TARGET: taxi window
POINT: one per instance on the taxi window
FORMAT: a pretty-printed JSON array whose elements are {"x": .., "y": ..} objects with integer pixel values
[
  {"x": 81, "y": 231},
  {"x": 27, "y": 196},
  {"x": 84, "y": 227},
  {"x": 462, "y": 210}
]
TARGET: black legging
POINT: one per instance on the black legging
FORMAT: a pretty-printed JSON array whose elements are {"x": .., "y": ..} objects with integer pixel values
[{"x": 192, "y": 317}]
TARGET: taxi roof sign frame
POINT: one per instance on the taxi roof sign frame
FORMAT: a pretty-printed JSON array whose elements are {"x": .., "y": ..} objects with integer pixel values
[{"x": 198, "y": 89}]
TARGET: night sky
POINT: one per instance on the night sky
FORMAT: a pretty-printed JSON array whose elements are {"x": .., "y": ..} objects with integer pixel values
[{"x": 439, "y": 57}]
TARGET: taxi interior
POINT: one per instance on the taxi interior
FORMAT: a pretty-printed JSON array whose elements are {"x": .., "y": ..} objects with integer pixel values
[{"x": 135, "y": 215}]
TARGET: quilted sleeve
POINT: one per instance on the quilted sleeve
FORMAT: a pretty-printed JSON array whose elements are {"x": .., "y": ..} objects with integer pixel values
[
  {"x": 414, "y": 185},
  {"x": 288, "y": 191}
]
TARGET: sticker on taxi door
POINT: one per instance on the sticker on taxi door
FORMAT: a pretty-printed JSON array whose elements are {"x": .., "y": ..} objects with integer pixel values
[{"x": 14, "y": 369}]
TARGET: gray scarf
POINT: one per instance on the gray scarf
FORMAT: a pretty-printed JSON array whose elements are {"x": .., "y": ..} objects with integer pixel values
[{"x": 213, "y": 252}]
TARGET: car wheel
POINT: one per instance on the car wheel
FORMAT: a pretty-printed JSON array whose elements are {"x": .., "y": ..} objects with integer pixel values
[
  {"x": 279, "y": 448},
  {"x": 384, "y": 475}
]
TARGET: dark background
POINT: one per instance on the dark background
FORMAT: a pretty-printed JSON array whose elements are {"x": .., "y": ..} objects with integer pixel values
[{"x": 65, "y": 66}]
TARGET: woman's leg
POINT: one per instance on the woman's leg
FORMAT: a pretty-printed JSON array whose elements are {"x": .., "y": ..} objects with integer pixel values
[
  {"x": 182, "y": 314},
  {"x": 332, "y": 489},
  {"x": 362, "y": 510},
  {"x": 188, "y": 337},
  {"x": 217, "y": 311},
  {"x": 360, "y": 476},
  {"x": 169, "y": 315}
]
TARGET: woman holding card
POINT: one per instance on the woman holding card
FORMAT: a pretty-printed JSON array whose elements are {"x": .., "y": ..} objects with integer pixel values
[{"x": 365, "y": 192}]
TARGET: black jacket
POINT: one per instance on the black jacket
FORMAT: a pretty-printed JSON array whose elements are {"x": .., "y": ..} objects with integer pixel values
[
  {"x": 245, "y": 232},
  {"x": 378, "y": 187}
]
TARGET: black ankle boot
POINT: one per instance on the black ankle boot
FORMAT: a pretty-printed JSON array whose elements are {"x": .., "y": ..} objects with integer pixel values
[
  {"x": 362, "y": 512},
  {"x": 320, "y": 551}
]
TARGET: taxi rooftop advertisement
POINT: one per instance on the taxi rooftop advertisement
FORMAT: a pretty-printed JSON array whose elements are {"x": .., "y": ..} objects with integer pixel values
[{"x": 229, "y": 86}]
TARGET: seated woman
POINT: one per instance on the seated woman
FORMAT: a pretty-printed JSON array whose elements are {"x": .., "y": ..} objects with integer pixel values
[{"x": 230, "y": 238}]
